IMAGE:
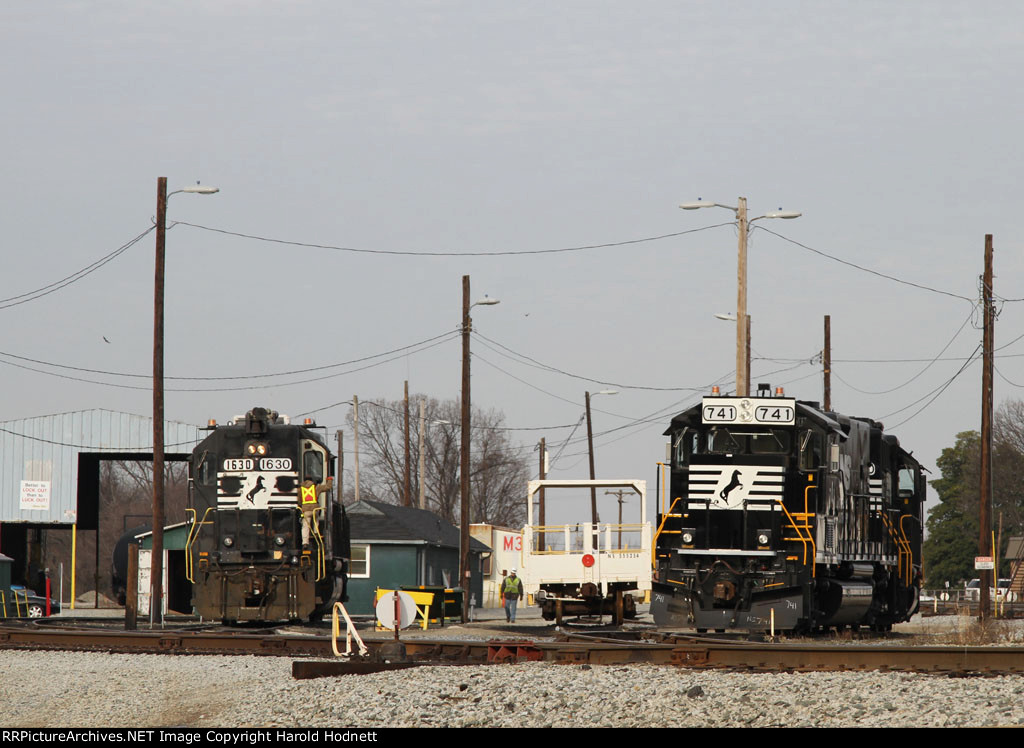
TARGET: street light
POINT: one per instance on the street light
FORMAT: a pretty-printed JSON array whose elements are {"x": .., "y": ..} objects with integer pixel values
[
  {"x": 590, "y": 449},
  {"x": 467, "y": 323},
  {"x": 157, "y": 561},
  {"x": 742, "y": 339}
]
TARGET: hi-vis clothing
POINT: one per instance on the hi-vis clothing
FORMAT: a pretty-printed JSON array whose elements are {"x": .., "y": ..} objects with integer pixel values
[
  {"x": 309, "y": 502},
  {"x": 512, "y": 587}
]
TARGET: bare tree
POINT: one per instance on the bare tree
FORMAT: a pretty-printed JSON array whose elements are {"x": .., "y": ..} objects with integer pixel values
[{"x": 498, "y": 472}]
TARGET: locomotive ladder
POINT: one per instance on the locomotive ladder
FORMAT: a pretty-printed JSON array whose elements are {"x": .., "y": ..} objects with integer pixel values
[
  {"x": 800, "y": 523},
  {"x": 906, "y": 554},
  {"x": 193, "y": 535},
  {"x": 661, "y": 529}
]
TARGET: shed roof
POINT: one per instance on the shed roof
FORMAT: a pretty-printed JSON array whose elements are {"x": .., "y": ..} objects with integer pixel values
[{"x": 377, "y": 521}]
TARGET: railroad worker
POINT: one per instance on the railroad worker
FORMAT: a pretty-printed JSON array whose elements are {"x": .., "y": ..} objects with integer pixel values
[
  {"x": 511, "y": 593},
  {"x": 309, "y": 502}
]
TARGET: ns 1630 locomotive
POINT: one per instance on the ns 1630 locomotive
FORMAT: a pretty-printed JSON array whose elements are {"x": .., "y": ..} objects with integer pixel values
[
  {"x": 782, "y": 515},
  {"x": 253, "y": 483}
]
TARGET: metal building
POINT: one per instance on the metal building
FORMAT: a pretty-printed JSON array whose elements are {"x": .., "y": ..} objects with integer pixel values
[{"x": 49, "y": 465}]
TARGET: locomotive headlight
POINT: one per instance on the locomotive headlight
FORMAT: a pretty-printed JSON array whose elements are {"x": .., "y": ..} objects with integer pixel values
[
  {"x": 687, "y": 536},
  {"x": 228, "y": 541},
  {"x": 279, "y": 540},
  {"x": 257, "y": 449},
  {"x": 764, "y": 537}
]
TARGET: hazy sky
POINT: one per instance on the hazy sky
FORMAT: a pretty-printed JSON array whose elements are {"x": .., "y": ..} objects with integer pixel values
[{"x": 461, "y": 127}]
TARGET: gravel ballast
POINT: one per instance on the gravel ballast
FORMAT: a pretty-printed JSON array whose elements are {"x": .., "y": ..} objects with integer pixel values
[{"x": 65, "y": 689}]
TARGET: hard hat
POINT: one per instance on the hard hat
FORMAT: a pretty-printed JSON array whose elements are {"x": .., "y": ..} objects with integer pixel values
[{"x": 513, "y": 571}]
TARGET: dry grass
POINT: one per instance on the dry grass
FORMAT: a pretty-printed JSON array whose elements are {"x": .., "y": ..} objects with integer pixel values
[{"x": 968, "y": 631}]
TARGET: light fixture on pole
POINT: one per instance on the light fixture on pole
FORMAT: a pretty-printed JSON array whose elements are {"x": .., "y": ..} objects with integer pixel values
[
  {"x": 742, "y": 341},
  {"x": 590, "y": 450},
  {"x": 156, "y": 569},
  {"x": 464, "y": 574}
]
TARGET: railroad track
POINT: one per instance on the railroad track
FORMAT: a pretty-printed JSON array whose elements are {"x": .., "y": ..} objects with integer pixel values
[{"x": 314, "y": 655}]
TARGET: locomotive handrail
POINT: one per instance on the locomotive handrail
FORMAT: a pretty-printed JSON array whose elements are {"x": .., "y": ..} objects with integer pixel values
[
  {"x": 910, "y": 549},
  {"x": 902, "y": 544},
  {"x": 797, "y": 528},
  {"x": 321, "y": 564},
  {"x": 193, "y": 534},
  {"x": 661, "y": 528}
]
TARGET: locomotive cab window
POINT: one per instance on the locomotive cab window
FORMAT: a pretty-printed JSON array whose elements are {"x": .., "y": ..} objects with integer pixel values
[
  {"x": 810, "y": 450},
  {"x": 907, "y": 483},
  {"x": 686, "y": 444},
  {"x": 313, "y": 466},
  {"x": 748, "y": 442}
]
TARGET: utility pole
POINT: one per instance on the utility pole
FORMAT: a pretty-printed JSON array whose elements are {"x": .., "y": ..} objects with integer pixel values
[
  {"x": 826, "y": 362},
  {"x": 157, "y": 557},
  {"x": 340, "y": 482},
  {"x": 422, "y": 469},
  {"x": 590, "y": 451},
  {"x": 407, "y": 488},
  {"x": 742, "y": 330},
  {"x": 464, "y": 574},
  {"x": 543, "y": 473},
  {"x": 985, "y": 503},
  {"x": 620, "y": 493},
  {"x": 355, "y": 440}
]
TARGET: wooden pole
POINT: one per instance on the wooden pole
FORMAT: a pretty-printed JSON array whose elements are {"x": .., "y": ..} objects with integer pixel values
[
  {"x": 355, "y": 440},
  {"x": 742, "y": 369},
  {"x": 826, "y": 362},
  {"x": 464, "y": 574},
  {"x": 407, "y": 483},
  {"x": 157, "y": 563},
  {"x": 985, "y": 503}
]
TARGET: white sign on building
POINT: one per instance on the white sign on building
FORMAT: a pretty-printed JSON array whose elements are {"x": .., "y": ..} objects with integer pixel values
[{"x": 35, "y": 495}]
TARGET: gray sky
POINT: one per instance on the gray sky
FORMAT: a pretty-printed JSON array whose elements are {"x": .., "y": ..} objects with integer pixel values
[{"x": 481, "y": 127}]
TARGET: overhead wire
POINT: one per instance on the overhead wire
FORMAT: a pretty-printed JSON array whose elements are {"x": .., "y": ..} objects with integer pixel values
[
  {"x": 937, "y": 391},
  {"x": 68, "y": 280},
  {"x": 864, "y": 269},
  {"x": 409, "y": 253},
  {"x": 926, "y": 368}
]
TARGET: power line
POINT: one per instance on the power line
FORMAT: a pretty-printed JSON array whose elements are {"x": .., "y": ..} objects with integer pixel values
[
  {"x": 449, "y": 334},
  {"x": 66, "y": 281},
  {"x": 937, "y": 391},
  {"x": 580, "y": 377},
  {"x": 243, "y": 388},
  {"x": 406, "y": 253},
  {"x": 926, "y": 368},
  {"x": 864, "y": 269}
]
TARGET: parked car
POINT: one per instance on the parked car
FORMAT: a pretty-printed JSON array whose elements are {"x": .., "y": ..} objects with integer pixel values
[
  {"x": 28, "y": 604},
  {"x": 972, "y": 592}
]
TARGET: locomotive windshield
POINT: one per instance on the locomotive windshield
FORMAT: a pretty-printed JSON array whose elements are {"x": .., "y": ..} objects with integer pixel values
[{"x": 732, "y": 440}]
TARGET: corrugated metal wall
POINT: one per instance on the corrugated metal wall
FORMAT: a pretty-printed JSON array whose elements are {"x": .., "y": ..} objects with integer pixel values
[{"x": 39, "y": 457}]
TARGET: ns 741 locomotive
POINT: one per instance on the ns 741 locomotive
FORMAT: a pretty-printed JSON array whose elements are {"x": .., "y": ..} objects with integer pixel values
[
  {"x": 783, "y": 515},
  {"x": 268, "y": 540}
]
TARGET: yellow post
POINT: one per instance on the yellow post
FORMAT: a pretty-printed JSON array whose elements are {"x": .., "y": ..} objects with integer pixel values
[{"x": 74, "y": 558}]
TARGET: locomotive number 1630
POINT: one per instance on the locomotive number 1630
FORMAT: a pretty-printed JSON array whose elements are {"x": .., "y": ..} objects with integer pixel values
[{"x": 278, "y": 464}]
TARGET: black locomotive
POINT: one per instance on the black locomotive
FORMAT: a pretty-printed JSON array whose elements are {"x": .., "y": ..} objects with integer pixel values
[
  {"x": 251, "y": 482},
  {"x": 782, "y": 515}
]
